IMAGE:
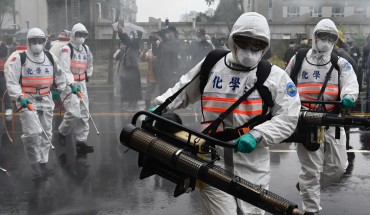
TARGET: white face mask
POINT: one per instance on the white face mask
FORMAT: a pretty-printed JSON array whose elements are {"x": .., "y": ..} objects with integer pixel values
[
  {"x": 79, "y": 41},
  {"x": 248, "y": 58},
  {"x": 323, "y": 45},
  {"x": 37, "y": 48}
]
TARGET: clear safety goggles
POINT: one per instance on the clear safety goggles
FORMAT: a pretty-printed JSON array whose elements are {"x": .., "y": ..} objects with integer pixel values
[
  {"x": 81, "y": 34},
  {"x": 245, "y": 42},
  {"x": 36, "y": 40},
  {"x": 327, "y": 36}
]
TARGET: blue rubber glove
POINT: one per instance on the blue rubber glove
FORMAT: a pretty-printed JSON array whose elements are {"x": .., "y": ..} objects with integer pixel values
[
  {"x": 75, "y": 89},
  {"x": 348, "y": 102},
  {"x": 246, "y": 143},
  {"x": 151, "y": 110},
  {"x": 24, "y": 102},
  {"x": 55, "y": 94},
  {"x": 155, "y": 108}
]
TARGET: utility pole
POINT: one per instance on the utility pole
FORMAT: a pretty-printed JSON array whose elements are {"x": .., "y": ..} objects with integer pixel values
[
  {"x": 112, "y": 45},
  {"x": 66, "y": 7},
  {"x": 14, "y": 20}
]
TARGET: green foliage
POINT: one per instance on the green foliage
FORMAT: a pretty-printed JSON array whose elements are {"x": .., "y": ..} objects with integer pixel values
[{"x": 227, "y": 10}]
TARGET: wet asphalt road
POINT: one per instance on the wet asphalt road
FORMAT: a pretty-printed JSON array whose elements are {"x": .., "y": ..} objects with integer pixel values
[{"x": 107, "y": 181}]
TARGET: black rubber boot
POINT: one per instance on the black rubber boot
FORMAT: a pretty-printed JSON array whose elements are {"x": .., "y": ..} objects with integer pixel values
[
  {"x": 62, "y": 139},
  {"x": 45, "y": 172},
  {"x": 82, "y": 148},
  {"x": 37, "y": 178}
]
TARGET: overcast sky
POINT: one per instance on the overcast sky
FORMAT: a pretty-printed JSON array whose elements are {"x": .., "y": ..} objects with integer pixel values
[{"x": 171, "y": 9}]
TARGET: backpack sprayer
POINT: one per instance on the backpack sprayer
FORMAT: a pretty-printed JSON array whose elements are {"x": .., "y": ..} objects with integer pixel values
[
  {"x": 174, "y": 154},
  {"x": 311, "y": 126}
]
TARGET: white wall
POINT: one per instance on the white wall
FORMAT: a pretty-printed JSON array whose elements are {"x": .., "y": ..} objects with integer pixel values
[
  {"x": 349, "y": 11},
  {"x": 326, "y": 11},
  {"x": 33, "y": 11},
  {"x": 304, "y": 10}
]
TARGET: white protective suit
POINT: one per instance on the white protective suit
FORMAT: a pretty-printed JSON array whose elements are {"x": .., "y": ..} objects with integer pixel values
[
  {"x": 56, "y": 46},
  {"x": 75, "y": 68},
  {"x": 33, "y": 81},
  {"x": 329, "y": 162},
  {"x": 255, "y": 166}
]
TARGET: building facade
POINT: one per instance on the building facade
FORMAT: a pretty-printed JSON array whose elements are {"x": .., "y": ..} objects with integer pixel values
[
  {"x": 289, "y": 18},
  {"x": 28, "y": 14}
]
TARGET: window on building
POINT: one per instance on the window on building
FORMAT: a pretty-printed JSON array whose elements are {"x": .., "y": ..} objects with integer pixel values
[
  {"x": 286, "y": 36},
  {"x": 337, "y": 12},
  {"x": 293, "y": 11},
  {"x": 269, "y": 11},
  {"x": 361, "y": 11},
  {"x": 270, "y": 3},
  {"x": 315, "y": 11}
]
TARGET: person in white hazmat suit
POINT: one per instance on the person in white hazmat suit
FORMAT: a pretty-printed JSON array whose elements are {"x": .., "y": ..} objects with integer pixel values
[
  {"x": 78, "y": 69},
  {"x": 248, "y": 41},
  {"x": 63, "y": 39},
  {"x": 326, "y": 165},
  {"x": 30, "y": 83}
]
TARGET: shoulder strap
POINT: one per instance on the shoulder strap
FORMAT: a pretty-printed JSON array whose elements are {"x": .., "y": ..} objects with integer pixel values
[
  {"x": 23, "y": 56},
  {"x": 263, "y": 71},
  {"x": 211, "y": 59},
  {"x": 50, "y": 57},
  {"x": 327, "y": 77},
  {"x": 301, "y": 54},
  {"x": 71, "y": 47},
  {"x": 334, "y": 61},
  {"x": 83, "y": 45}
]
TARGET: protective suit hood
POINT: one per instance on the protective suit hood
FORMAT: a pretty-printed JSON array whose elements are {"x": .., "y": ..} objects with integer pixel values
[
  {"x": 65, "y": 37},
  {"x": 77, "y": 28},
  {"x": 250, "y": 24},
  {"x": 328, "y": 26},
  {"x": 34, "y": 33}
]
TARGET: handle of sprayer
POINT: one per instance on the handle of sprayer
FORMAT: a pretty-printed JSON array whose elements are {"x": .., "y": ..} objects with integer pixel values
[
  {"x": 79, "y": 94},
  {"x": 29, "y": 106}
]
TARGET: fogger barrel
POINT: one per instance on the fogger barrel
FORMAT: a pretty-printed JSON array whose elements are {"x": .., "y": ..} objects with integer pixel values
[
  {"x": 193, "y": 166},
  {"x": 327, "y": 119}
]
